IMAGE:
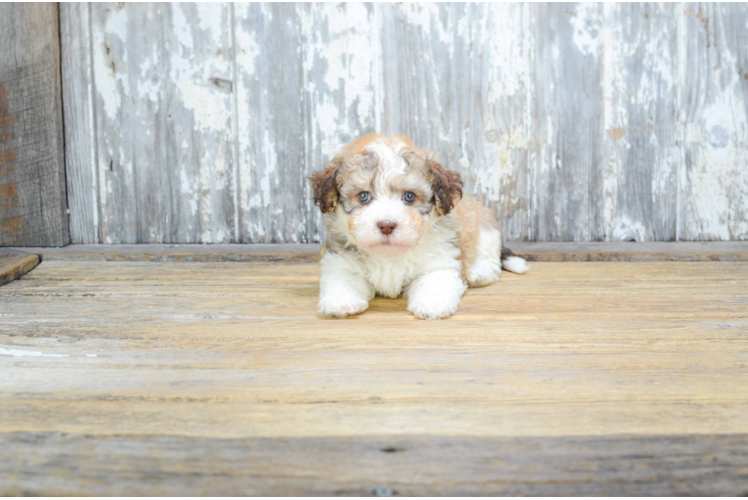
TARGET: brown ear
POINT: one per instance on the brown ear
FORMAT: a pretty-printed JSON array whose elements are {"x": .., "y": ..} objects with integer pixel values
[
  {"x": 325, "y": 187},
  {"x": 447, "y": 186}
]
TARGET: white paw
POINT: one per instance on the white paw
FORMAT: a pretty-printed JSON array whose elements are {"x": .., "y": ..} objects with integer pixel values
[
  {"x": 342, "y": 306},
  {"x": 482, "y": 274},
  {"x": 434, "y": 305}
]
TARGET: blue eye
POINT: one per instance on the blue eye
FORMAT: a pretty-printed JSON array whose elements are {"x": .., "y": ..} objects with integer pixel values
[
  {"x": 409, "y": 197},
  {"x": 364, "y": 197}
]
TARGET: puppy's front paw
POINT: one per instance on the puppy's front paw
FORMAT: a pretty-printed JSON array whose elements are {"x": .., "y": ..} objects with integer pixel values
[
  {"x": 434, "y": 305},
  {"x": 342, "y": 305}
]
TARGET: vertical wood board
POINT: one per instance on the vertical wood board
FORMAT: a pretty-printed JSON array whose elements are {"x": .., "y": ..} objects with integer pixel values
[{"x": 33, "y": 204}]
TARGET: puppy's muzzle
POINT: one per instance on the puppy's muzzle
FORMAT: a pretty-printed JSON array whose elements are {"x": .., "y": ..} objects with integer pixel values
[{"x": 386, "y": 226}]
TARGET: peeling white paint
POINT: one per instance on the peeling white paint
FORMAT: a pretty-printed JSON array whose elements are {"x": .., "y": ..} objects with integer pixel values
[
  {"x": 586, "y": 23},
  {"x": 462, "y": 79},
  {"x": 111, "y": 82}
]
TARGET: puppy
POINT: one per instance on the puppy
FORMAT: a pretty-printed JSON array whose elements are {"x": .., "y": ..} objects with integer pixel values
[{"x": 397, "y": 223}]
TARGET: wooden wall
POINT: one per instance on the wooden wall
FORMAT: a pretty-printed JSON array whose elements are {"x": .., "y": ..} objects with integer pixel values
[
  {"x": 574, "y": 122},
  {"x": 33, "y": 203}
]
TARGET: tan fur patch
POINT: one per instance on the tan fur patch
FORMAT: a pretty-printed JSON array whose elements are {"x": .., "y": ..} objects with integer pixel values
[
  {"x": 352, "y": 218},
  {"x": 417, "y": 221},
  {"x": 471, "y": 216}
]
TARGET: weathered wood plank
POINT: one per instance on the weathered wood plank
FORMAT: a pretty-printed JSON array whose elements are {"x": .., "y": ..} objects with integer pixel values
[
  {"x": 110, "y": 34},
  {"x": 14, "y": 264},
  {"x": 566, "y": 150},
  {"x": 640, "y": 124},
  {"x": 163, "y": 78},
  {"x": 533, "y": 251},
  {"x": 53, "y": 464},
  {"x": 714, "y": 115},
  {"x": 199, "y": 140},
  {"x": 33, "y": 203},
  {"x": 574, "y": 376},
  {"x": 625, "y": 345},
  {"x": 270, "y": 123},
  {"x": 80, "y": 132}
]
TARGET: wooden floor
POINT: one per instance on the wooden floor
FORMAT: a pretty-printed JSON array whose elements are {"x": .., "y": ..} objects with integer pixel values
[{"x": 166, "y": 378}]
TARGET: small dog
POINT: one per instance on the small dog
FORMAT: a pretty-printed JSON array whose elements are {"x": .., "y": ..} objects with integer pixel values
[{"x": 397, "y": 223}]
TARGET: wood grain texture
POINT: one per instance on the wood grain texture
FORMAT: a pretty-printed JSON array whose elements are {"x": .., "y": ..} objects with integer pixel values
[
  {"x": 640, "y": 124},
  {"x": 33, "y": 203},
  {"x": 54, "y": 464},
  {"x": 271, "y": 126},
  {"x": 605, "y": 378},
  {"x": 726, "y": 251},
  {"x": 572, "y": 122},
  {"x": 165, "y": 142},
  {"x": 714, "y": 114},
  {"x": 80, "y": 134},
  {"x": 14, "y": 264},
  {"x": 567, "y": 138}
]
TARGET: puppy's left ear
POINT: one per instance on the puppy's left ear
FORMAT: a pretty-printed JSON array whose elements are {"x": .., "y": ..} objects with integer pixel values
[
  {"x": 325, "y": 186},
  {"x": 447, "y": 186}
]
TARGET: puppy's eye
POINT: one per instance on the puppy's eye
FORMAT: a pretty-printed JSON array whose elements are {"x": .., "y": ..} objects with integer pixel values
[
  {"x": 364, "y": 197},
  {"x": 409, "y": 197}
]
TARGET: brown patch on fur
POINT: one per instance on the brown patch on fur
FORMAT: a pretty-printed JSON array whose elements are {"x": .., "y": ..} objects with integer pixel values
[
  {"x": 417, "y": 221},
  {"x": 472, "y": 216},
  {"x": 326, "y": 183},
  {"x": 325, "y": 187},
  {"x": 447, "y": 186},
  {"x": 352, "y": 218}
]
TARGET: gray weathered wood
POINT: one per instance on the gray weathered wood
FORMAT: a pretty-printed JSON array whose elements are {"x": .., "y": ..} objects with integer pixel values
[
  {"x": 163, "y": 118},
  {"x": 56, "y": 464},
  {"x": 681, "y": 251},
  {"x": 640, "y": 124},
  {"x": 199, "y": 140},
  {"x": 271, "y": 126},
  {"x": 714, "y": 116},
  {"x": 33, "y": 204},
  {"x": 573, "y": 122},
  {"x": 80, "y": 134},
  {"x": 566, "y": 146}
]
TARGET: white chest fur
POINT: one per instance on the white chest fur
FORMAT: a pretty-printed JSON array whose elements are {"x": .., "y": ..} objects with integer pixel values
[{"x": 437, "y": 249}]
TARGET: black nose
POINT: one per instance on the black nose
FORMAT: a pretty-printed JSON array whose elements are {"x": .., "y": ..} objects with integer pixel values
[{"x": 386, "y": 226}]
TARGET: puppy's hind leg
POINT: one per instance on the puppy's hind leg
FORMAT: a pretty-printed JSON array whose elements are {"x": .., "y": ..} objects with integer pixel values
[{"x": 486, "y": 268}]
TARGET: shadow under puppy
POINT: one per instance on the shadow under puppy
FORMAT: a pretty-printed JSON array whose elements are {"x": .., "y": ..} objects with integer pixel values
[{"x": 397, "y": 223}]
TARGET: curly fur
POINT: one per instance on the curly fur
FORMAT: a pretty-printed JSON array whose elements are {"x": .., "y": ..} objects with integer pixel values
[{"x": 442, "y": 241}]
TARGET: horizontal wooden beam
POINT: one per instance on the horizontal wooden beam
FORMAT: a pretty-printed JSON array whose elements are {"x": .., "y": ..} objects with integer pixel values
[
  {"x": 536, "y": 252},
  {"x": 58, "y": 464}
]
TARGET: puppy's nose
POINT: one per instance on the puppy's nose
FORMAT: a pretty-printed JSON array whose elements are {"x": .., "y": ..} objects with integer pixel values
[{"x": 386, "y": 226}]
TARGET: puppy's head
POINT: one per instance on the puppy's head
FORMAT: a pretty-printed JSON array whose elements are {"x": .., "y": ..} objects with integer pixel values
[{"x": 379, "y": 194}]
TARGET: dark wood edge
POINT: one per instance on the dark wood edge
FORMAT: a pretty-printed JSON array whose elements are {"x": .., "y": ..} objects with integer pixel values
[
  {"x": 60, "y": 464},
  {"x": 14, "y": 264},
  {"x": 535, "y": 252}
]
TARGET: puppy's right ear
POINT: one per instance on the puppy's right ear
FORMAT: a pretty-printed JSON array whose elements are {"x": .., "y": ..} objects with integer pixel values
[{"x": 325, "y": 186}]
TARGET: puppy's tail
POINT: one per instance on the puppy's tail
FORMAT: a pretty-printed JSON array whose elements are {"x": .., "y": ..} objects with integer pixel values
[{"x": 512, "y": 262}]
